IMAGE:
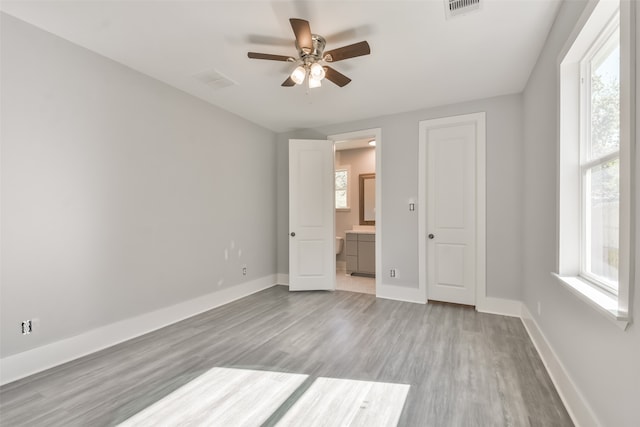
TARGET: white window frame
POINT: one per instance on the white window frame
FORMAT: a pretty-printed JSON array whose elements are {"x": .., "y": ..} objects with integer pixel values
[
  {"x": 569, "y": 261},
  {"x": 586, "y": 161},
  {"x": 346, "y": 168}
]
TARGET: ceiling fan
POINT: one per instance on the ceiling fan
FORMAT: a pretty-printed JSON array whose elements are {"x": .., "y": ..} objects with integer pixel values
[{"x": 311, "y": 56}]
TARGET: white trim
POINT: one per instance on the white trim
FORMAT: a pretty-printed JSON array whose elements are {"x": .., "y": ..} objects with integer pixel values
[
  {"x": 593, "y": 25},
  {"x": 47, "y": 356},
  {"x": 377, "y": 133},
  {"x": 596, "y": 297},
  {"x": 500, "y": 306},
  {"x": 579, "y": 409},
  {"x": 479, "y": 120},
  {"x": 628, "y": 147}
]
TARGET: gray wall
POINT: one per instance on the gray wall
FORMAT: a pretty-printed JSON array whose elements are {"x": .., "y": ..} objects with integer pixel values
[
  {"x": 120, "y": 194},
  {"x": 400, "y": 183},
  {"x": 603, "y": 361}
]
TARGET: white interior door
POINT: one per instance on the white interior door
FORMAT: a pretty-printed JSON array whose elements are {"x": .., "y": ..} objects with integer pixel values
[
  {"x": 451, "y": 213},
  {"x": 312, "y": 261}
]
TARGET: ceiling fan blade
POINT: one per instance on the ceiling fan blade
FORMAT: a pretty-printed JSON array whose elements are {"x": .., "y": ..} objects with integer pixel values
[
  {"x": 336, "y": 77},
  {"x": 302, "y": 30},
  {"x": 255, "y": 55},
  {"x": 288, "y": 82},
  {"x": 346, "y": 52}
]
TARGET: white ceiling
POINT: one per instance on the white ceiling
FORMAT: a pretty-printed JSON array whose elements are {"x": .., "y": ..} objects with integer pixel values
[{"x": 418, "y": 59}]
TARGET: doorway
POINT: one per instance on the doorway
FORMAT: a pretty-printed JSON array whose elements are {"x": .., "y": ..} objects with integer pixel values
[{"x": 357, "y": 210}]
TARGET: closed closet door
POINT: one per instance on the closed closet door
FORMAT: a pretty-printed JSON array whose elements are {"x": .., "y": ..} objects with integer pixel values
[{"x": 451, "y": 213}]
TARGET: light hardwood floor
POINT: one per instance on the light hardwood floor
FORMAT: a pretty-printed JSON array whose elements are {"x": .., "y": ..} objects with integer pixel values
[{"x": 464, "y": 368}]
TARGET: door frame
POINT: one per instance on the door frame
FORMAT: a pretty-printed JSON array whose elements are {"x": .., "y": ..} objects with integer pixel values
[
  {"x": 479, "y": 120},
  {"x": 377, "y": 134}
]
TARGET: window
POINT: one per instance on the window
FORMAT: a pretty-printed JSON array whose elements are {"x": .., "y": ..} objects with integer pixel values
[
  {"x": 595, "y": 158},
  {"x": 600, "y": 159},
  {"x": 342, "y": 188}
]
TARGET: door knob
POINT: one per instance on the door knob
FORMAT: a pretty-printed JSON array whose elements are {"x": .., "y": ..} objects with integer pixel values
[
  {"x": 293, "y": 234},
  {"x": 431, "y": 236}
]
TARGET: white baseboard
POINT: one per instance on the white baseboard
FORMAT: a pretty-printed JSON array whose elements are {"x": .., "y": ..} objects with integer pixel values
[
  {"x": 47, "y": 356},
  {"x": 503, "y": 307},
  {"x": 399, "y": 293},
  {"x": 578, "y": 408}
]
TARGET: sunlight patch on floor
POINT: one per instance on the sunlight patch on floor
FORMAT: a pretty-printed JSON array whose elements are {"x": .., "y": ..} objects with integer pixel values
[
  {"x": 242, "y": 397},
  {"x": 338, "y": 402},
  {"x": 221, "y": 397}
]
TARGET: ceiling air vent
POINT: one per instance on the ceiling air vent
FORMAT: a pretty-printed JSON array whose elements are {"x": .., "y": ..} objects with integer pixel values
[
  {"x": 454, "y": 8},
  {"x": 214, "y": 79}
]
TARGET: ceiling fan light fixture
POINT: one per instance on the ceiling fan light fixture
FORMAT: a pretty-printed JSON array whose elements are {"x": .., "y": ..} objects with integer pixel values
[
  {"x": 311, "y": 56},
  {"x": 316, "y": 71},
  {"x": 299, "y": 74},
  {"x": 313, "y": 82}
]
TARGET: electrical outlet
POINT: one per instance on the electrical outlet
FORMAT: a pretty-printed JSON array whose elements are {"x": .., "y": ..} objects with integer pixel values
[
  {"x": 244, "y": 270},
  {"x": 27, "y": 327},
  {"x": 392, "y": 272}
]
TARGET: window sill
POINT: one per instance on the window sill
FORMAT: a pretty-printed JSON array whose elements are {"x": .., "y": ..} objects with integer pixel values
[
  {"x": 343, "y": 209},
  {"x": 604, "y": 303}
]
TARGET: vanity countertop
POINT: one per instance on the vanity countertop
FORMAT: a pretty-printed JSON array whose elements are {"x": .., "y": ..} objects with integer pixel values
[{"x": 361, "y": 231}]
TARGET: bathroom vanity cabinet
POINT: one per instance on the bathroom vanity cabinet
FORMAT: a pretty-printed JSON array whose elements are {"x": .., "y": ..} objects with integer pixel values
[{"x": 361, "y": 253}]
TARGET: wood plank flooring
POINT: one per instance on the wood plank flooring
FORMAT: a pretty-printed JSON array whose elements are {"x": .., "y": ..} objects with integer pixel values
[
  {"x": 221, "y": 397},
  {"x": 338, "y": 402},
  {"x": 464, "y": 368}
]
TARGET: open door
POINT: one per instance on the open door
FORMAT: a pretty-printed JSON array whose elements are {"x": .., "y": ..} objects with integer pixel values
[{"x": 312, "y": 260}]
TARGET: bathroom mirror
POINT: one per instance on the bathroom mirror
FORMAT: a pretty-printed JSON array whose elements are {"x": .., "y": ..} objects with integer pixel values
[{"x": 368, "y": 199}]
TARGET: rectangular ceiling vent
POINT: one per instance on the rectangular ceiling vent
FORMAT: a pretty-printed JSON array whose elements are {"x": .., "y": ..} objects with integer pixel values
[
  {"x": 214, "y": 79},
  {"x": 453, "y": 8}
]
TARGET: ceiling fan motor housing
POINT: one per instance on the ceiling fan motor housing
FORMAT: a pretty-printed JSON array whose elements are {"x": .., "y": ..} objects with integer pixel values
[{"x": 316, "y": 52}]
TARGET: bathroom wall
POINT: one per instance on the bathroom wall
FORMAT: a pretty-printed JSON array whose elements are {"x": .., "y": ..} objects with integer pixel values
[{"x": 361, "y": 160}]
